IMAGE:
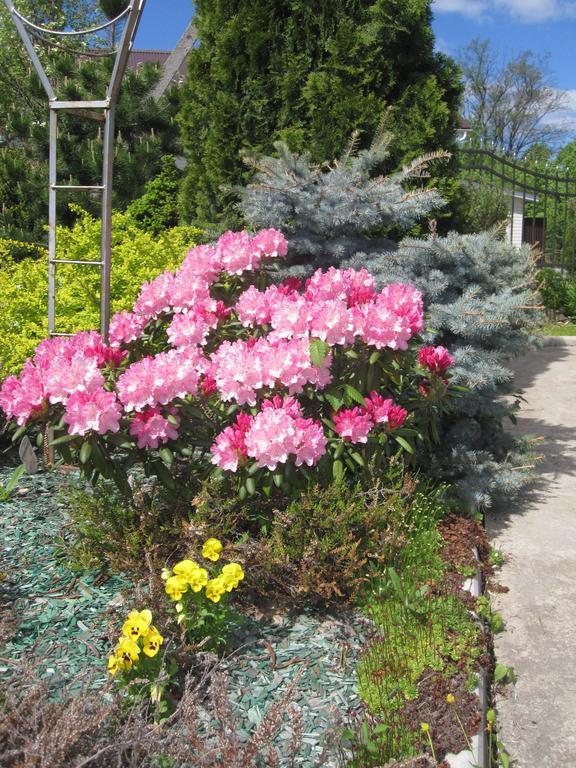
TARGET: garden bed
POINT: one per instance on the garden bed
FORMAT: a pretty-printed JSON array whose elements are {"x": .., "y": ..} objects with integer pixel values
[{"x": 64, "y": 619}]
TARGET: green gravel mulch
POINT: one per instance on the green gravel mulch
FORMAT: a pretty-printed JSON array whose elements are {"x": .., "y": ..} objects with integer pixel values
[{"x": 60, "y": 616}]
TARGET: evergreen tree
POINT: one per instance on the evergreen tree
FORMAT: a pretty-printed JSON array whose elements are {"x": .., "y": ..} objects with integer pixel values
[
  {"x": 145, "y": 132},
  {"x": 308, "y": 72},
  {"x": 477, "y": 291}
]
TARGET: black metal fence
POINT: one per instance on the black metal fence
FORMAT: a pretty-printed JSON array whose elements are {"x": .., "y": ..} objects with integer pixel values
[{"x": 541, "y": 202}]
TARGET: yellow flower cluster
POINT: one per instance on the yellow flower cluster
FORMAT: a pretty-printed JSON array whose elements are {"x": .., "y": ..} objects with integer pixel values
[
  {"x": 188, "y": 575},
  {"x": 138, "y": 634}
]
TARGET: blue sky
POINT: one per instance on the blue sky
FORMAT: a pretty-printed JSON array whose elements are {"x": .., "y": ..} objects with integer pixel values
[
  {"x": 541, "y": 26},
  {"x": 163, "y": 23}
]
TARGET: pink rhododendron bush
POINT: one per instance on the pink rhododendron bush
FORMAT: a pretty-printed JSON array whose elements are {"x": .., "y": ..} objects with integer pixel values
[{"x": 219, "y": 369}]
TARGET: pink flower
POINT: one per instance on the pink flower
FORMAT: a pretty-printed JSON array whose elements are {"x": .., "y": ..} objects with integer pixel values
[
  {"x": 395, "y": 315},
  {"x": 272, "y": 437},
  {"x": 111, "y": 357},
  {"x": 188, "y": 292},
  {"x": 383, "y": 411},
  {"x": 189, "y": 328},
  {"x": 254, "y": 307},
  {"x": 208, "y": 385},
  {"x": 98, "y": 411},
  {"x": 288, "y": 404},
  {"x": 158, "y": 380},
  {"x": 237, "y": 253},
  {"x": 270, "y": 242},
  {"x": 243, "y": 368},
  {"x": 202, "y": 261},
  {"x": 24, "y": 396},
  {"x": 290, "y": 285},
  {"x": 155, "y": 297},
  {"x": 436, "y": 359},
  {"x": 348, "y": 285},
  {"x": 279, "y": 431},
  {"x": 152, "y": 428},
  {"x": 310, "y": 442},
  {"x": 353, "y": 424},
  {"x": 230, "y": 447},
  {"x": 126, "y": 327},
  {"x": 64, "y": 376}
]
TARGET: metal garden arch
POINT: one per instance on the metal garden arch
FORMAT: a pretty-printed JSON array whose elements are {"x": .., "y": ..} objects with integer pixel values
[{"x": 102, "y": 110}]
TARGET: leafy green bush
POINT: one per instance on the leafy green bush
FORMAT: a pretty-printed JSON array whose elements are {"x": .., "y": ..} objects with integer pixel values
[
  {"x": 137, "y": 256},
  {"x": 558, "y": 292}
]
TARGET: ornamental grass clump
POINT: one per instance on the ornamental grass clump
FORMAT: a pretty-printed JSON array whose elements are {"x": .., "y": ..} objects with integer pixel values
[{"x": 220, "y": 370}]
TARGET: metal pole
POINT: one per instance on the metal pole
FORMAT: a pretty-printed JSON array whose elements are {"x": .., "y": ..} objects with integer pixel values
[
  {"x": 106, "y": 232},
  {"x": 52, "y": 181}
]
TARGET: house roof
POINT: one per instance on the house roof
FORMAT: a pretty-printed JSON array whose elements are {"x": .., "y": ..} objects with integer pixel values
[{"x": 153, "y": 57}]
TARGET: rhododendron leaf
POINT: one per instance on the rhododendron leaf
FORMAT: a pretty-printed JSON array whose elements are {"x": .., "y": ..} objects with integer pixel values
[
  {"x": 85, "y": 452},
  {"x": 242, "y": 493},
  {"x": 40, "y": 439},
  {"x": 19, "y": 433},
  {"x": 318, "y": 351},
  {"x": 374, "y": 357},
  {"x": 164, "y": 475},
  {"x": 231, "y": 409},
  {"x": 404, "y": 443},
  {"x": 351, "y": 354},
  {"x": 173, "y": 419},
  {"x": 337, "y": 470},
  {"x": 354, "y": 395},
  {"x": 62, "y": 439},
  {"x": 358, "y": 458},
  {"x": 250, "y": 486},
  {"x": 186, "y": 452},
  {"x": 120, "y": 439},
  {"x": 335, "y": 402},
  {"x": 167, "y": 456},
  {"x": 253, "y": 468},
  {"x": 277, "y": 479},
  {"x": 339, "y": 450}
]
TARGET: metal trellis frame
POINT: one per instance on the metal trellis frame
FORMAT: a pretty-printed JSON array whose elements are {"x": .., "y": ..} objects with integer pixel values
[{"x": 97, "y": 109}]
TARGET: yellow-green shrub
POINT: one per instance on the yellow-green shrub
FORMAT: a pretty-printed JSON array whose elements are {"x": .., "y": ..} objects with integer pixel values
[{"x": 136, "y": 256}]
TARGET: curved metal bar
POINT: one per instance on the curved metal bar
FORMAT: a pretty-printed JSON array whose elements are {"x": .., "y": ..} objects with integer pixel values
[{"x": 64, "y": 33}]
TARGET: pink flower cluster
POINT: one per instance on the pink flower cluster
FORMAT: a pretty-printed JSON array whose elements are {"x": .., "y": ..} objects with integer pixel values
[
  {"x": 158, "y": 380},
  {"x": 188, "y": 289},
  {"x": 66, "y": 370},
  {"x": 276, "y": 433},
  {"x": 241, "y": 368},
  {"x": 436, "y": 359},
  {"x": 152, "y": 429},
  {"x": 337, "y": 306},
  {"x": 355, "y": 424}
]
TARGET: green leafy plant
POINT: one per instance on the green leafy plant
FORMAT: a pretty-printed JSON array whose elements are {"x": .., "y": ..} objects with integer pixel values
[
  {"x": 7, "y": 490},
  {"x": 137, "y": 255}
]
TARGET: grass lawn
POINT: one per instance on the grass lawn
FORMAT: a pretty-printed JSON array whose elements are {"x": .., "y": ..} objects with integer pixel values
[{"x": 559, "y": 329}]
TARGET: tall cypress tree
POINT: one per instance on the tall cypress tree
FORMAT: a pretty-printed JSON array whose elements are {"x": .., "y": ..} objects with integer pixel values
[{"x": 308, "y": 72}]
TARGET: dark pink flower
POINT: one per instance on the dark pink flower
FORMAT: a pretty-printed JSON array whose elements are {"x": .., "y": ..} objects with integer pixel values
[
  {"x": 383, "y": 411},
  {"x": 436, "y": 359},
  {"x": 353, "y": 424}
]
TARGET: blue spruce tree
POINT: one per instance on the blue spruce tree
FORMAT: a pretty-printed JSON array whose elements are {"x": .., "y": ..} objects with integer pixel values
[{"x": 477, "y": 289}]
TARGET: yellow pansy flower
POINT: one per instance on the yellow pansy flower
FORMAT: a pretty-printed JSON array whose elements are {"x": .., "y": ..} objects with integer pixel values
[
  {"x": 137, "y": 623},
  {"x": 175, "y": 587},
  {"x": 152, "y": 642},
  {"x": 127, "y": 652},
  {"x": 450, "y": 698},
  {"x": 232, "y": 575},
  {"x": 198, "y": 579},
  {"x": 211, "y": 549},
  {"x": 215, "y": 589},
  {"x": 112, "y": 665},
  {"x": 185, "y": 568}
]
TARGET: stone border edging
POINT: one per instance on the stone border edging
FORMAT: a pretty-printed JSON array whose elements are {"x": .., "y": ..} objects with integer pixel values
[{"x": 477, "y": 757}]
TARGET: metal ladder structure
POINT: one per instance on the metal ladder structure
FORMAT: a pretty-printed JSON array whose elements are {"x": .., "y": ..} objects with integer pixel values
[{"x": 102, "y": 110}]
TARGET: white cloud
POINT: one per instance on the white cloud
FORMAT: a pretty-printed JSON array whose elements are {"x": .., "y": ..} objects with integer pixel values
[{"x": 522, "y": 10}]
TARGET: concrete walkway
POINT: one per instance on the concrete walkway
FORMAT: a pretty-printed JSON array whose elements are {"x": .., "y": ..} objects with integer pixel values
[{"x": 537, "y": 717}]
